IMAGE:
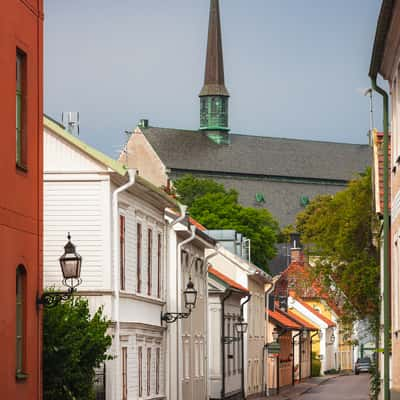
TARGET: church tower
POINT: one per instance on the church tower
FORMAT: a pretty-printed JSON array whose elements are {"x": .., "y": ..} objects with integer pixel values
[{"x": 214, "y": 96}]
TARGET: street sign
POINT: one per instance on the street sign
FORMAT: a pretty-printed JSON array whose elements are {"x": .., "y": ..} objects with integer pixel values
[{"x": 274, "y": 348}]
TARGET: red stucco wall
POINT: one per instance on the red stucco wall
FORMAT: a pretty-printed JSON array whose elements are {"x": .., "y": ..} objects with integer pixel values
[{"x": 21, "y": 25}]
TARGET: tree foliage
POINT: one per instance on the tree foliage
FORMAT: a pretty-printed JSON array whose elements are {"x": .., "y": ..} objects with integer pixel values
[
  {"x": 217, "y": 208},
  {"x": 74, "y": 343},
  {"x": 339, "y": 230}
]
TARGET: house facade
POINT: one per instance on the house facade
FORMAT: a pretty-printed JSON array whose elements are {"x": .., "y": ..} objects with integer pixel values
[
  {"x": 385, "y": 62},
  {"x": 116, "y": 220},
  {"x": 21, "y": 86}
]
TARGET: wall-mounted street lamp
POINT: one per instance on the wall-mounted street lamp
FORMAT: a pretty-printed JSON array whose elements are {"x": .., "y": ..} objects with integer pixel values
[
  {"x": 70, "y": 263},
  {"x": 190, "y": 295},
  {"x": 275, "y": 335},
  {"x": 241, "y": 329},
  {"x": 332, "y": 338}
]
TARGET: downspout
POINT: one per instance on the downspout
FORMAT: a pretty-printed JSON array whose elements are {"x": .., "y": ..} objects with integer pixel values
[
  {"x": 242, "y": 339},
  {"x": 265, "y": 364},
  {"x": 227, "y": 294},
  {"x": 178, "y": 296},
  {"x": 386, "y": 267},
  {"x": 293, "y": 340},
  {"x": 116, "y": 271},
  {"x": 170, "y": 367}
]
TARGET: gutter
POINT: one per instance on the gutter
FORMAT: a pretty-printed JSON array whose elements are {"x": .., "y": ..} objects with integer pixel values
[{"x": 116, "y": 271}]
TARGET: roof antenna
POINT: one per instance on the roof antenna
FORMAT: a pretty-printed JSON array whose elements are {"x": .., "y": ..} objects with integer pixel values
[{"x": 70, "y": 119}]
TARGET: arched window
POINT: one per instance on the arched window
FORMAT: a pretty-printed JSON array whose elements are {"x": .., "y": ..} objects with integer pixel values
[{"x": 20, "y": 320}]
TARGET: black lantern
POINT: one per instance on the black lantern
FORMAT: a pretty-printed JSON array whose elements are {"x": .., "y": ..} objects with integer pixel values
[
  {"x": 241, "y": 326},
  {"x": 70, "y": 263},
  {"x": 304, "y": 334},
  {"x": 332, "y": 338},
  {"x": 190, "y": 296}
]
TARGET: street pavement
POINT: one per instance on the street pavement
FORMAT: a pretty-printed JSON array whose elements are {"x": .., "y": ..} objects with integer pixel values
[
  {"x": 348, "y": 387},
  {"x": 331, "y": 387}
]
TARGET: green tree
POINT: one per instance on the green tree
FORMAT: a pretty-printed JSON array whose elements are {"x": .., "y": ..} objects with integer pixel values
[
  {"x": 339, "y": 230},
  {"x": 74, "y": 343},
  {"x": 217, "y": 208}
]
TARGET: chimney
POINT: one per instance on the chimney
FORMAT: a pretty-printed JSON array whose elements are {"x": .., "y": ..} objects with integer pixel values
[{"x": 296, "y": 249}]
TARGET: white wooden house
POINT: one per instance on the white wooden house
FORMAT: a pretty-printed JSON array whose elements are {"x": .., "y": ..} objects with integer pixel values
[{"x": 117, "y": 222}]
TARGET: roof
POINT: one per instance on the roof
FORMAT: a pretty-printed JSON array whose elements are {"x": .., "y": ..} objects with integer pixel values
[
  {"x": 378, "y": 171},
  {"x": 226, "y": 280},
  {"x": 316, "y": 313},
  {"x": 197, "y": 224},
  {"x": 115, "y": 166},
  {"x": 259, "y": 156},
  {"x": 91, "y": 151},
  {"x": 281, "y": 319},
  {"x": 382, "y": 29},
  {"x": 302, "y": 321},
  {"x": 214, "y": 81}
]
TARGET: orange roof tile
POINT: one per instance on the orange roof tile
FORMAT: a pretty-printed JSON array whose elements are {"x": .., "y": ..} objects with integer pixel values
[
  {"x": 227, "y": 280},
  {"x": 283, "y": 320},
  {"x": 316, "y": 313},
  {"x": 197, "y": 224}
]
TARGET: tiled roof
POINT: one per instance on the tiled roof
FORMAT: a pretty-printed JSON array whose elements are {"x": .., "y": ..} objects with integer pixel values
[
  {"x": 197, "y": 224},
  {"x": 282, "y": 320},
  {"x": 259, "y": 155},
  {"x": 316, "y": 313},
  {"x": 230, "y": 282}
]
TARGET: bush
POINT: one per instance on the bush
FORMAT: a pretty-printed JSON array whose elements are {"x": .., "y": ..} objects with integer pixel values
[{"x": 74, "y": 343}]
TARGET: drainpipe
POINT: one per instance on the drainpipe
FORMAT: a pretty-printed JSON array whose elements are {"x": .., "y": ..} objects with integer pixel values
[
  {"x": 116, "y": 271},
  {"x": 242, "y": 340},
  {"x": 386, "y": 267},
  {"x": 265, "y": 364},
  {"x": 293, "y": 340},
  {"x": 227, "y": 294},
  {"x": 178, "y": 296},
  {"x": 168, "y": 279}
]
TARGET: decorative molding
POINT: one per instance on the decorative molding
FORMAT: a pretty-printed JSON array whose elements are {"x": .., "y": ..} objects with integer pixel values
[
  {"x": 142, "y": 326},
  {"x": 146, "y": 299}
]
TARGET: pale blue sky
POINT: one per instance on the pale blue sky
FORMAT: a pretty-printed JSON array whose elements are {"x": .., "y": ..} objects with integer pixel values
[{"x": 294, "y": 68}]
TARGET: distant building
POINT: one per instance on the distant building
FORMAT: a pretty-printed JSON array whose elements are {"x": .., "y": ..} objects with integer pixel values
[
  {"x": 21, "y": 83},
  {"x": 279, "y": 174}
]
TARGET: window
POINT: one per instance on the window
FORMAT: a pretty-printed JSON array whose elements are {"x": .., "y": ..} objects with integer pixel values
[
  {"x": 158, "y": 370},
  {"x": 159, "y": 241},
  {"x": 149, "y": 260},
  {"x": 20, "y": 320},
  {"x": 124, "y": 373},
  {"x": 20, "y": 109},
  {"x": 139, "y": 257},
  {"x": 140, "y": 372},
  {"x": 148, "y": 377},
  {"x": 122, "y": 251}
]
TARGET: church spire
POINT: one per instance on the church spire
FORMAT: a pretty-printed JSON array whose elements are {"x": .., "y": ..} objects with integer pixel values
[{"x": 214, "y": 95}]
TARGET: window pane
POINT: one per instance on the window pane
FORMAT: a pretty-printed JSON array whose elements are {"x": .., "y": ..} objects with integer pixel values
[
  {"x": 20, "y": 111},
  {"x": 140, "y": 372},
  {"x": 149, "y": 260},
  {"x": 20, "y": 318},
  {"x": 139, "y": 257},
  {"x": 122, "y": 250}
]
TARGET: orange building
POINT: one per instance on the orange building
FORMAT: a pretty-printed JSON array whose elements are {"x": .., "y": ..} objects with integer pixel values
[{"x": 21, "y": 88}]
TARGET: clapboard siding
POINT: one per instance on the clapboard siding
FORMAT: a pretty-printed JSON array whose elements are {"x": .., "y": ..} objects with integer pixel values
[
  {"x": 79, "y": 208},
  {"x": 60, "y": 155}
]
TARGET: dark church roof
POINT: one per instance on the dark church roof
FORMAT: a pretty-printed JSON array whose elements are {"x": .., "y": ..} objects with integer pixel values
[{"x": 259, "y": 155}]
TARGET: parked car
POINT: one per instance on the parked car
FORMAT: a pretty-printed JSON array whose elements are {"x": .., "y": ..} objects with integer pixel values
[{"x": 362, "y": 365}]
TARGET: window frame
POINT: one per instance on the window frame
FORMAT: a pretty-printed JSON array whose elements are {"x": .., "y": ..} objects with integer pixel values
[
  {"x": 140, "y": 371},
  {"x": 20, "y": 322},
  {"x": 124, "y": 373},
  {"x": 149, "y": 261},
  {"x": 159, "y": 265},
  {"x": 158, "y": 365},
  {"x": 122, "y": 250},
  {"x": 21, "y": 109},
  {"x": 148, "y": 371},
  {"x": 139, "y": 257}
]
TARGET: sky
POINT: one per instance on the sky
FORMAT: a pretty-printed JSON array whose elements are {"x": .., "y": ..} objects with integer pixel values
[{"x": 294, "y": 68}]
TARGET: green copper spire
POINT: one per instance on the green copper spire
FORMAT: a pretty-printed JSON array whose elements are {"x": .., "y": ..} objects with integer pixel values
[{"x": 214, "y": 95}]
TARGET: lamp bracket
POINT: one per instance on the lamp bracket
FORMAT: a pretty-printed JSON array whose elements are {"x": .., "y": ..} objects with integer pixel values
[
  {"x": 51, "y": 299},
  {"x": 230, "y": 339},
  {"x": 170, "y": 317}
]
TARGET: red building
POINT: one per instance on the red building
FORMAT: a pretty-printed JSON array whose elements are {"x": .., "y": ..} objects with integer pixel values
[{"x": 21, "y": 111}]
